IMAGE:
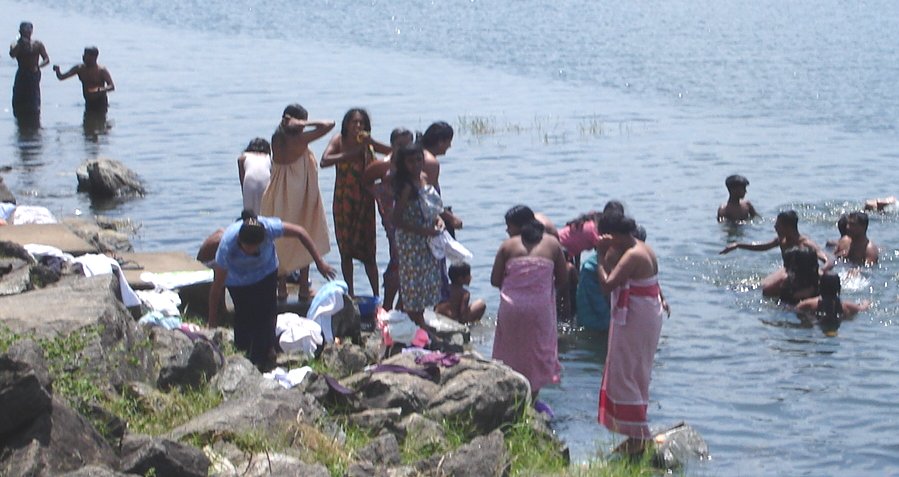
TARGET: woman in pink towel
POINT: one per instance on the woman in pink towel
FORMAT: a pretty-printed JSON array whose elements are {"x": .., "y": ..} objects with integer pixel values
[
  {"x": 637, "y": 306},
  {"x": 529, "y": 266}
]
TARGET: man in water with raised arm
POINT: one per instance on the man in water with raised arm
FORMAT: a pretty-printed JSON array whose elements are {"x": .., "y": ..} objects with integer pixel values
[
  {"x": 26, "y": 90},
  {"x": 95, "y": 80},
  {"x": 788, "y": 236}
]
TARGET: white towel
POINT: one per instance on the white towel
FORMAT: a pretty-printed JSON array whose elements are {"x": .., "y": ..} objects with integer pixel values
[{"x": 96, "y": 264}]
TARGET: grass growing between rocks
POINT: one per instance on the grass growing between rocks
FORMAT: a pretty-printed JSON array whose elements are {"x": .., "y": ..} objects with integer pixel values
[{"x": 74, "y": 382}]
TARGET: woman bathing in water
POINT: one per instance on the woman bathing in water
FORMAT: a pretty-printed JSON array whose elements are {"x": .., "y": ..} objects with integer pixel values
[{"x": 827, "y": 310}]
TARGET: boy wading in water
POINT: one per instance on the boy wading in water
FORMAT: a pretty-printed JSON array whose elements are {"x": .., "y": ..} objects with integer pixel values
[
  {"x": 737, "y": 208},
  {"x": 95, "y": 80}
]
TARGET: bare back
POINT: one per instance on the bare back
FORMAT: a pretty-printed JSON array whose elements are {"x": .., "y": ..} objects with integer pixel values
[{"x": 514, "y": 247}]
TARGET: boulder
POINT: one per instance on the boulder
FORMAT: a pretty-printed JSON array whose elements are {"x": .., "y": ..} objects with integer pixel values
[
  {"x": 366, "y": 469},
  {"x": 240, "y": 378},
  {"x": 383, "y": 450},
  {"x": 389, "y": 390},
  {"x": 95, "y": 471},
  {"x": 183, "y": 363},
  {"x": 264, "y": 465},
  {"x": 677, "y": 445},
  {"x": 22, "y": 395},
  {"x": 115, "y": 347},
  {"x": 27, "y": 351},
  {"x": 15, "y": 276},
  {"x": 57, "y": 441},
  {"x": 166, "y": 457},
  {"x": 106, "y": 178},
  {"x": 104, "y": 240},
  {"x": 420, "y": 433},
  {"x": 484, "y": 456},
  {"x": 376, "y": 420},
  {"x": 267, "y": 412},
  {"x": 344, "y": 359},
  {"x": 487, "y": 393}
]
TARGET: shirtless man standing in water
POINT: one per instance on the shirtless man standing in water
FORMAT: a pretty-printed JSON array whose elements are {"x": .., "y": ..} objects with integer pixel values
[
  {"x": 855, "y": 246},
  {"x": 788, "y": 236},
  {"x": 95, "y": 80},
  {"x": 26, "y": 90}
]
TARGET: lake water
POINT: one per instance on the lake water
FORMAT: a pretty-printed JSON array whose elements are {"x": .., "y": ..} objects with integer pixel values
[{"x": 561, "y": 106}]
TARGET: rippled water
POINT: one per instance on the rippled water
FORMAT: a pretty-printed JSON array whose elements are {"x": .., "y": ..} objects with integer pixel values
[{"x": 653, "y": 103}]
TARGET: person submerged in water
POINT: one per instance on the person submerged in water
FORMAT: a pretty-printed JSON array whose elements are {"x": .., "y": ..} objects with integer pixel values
[
  {"x": 95, "y": 80},
  {"x": 855, "y": 246},
  {"x": 827, "y": 310},
  {"x": 737, "y": 208},
  {"x": 787, "y": 227}
]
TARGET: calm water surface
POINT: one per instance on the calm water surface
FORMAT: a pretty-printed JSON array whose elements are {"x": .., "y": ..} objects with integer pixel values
[{"x": 575, "y": 103}]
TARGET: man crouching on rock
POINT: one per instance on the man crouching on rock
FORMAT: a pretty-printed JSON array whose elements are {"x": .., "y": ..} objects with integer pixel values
[{"x": 247, "y": 264}]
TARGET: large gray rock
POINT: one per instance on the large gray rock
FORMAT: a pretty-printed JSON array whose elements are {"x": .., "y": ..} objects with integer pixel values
[
  {"x": 108, "y": 178},
  {"x": 167, "y": 458},
  {"x": 677, "y": 445},
  {"x": 419, "y": 433},
  {"x": 344, "y": 359},
  {"x": 240, "y": 378},
  {"x": 487, "y": 393},
  {"x": 268, "y": 412},
  {"x": 15, "y": 276},
  {"x": 102, "y": 239},
  {"x": 383, "y": 450},
  {"x": 57, "y": 441},
  {"x": 389, "y": 390},
  {"x": 27, "y": 351},
  {"x": 264, "y": 465},
  {"x": 115, "y": 348},
  {"x": 183, "y": 363},
  {"x": 484, "y": 456},
  {"x": 95, "y": 471},
  {"x": 376, "y": 420}
]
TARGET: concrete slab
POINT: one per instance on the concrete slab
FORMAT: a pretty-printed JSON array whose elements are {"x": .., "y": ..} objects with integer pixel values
[
  {"x": 135, "y": 263},
  {"x": 55, "y": 235}
]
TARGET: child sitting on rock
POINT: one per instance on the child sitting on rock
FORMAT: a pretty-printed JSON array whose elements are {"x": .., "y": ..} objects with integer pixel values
[{"x": 457, "y": 306}]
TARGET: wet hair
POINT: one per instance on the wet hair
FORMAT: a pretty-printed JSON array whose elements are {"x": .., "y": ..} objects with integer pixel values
[
  {"x": 830, "y": 308},
  {"x": 295, "y": 111},
  {"x": 437, "y": 132},
  {"x": 259, "y": 145},
  {"x": 801, "y": 264},
  {"x": 860, "y": 218},
  {"x": 617, "y": 223},
  {"x": 403, "y": 176},
  {"x": 92, "y": 50},
  {"x": 345, "y": 124},
  {"x": 734, "y": 181},
  {"x": 398, "y": 133},
  {"x": 251, "y": 231},
  {"x": 613, "y": 206},
  {"x": 790, "y": 218},
  {"x": 458, "y": 271},
  {"x": 25, "y": 25},
  {"x": 640, "y": 233},
  {"x": 843, "y": 225},
  {"x": 522, "y": 217}
]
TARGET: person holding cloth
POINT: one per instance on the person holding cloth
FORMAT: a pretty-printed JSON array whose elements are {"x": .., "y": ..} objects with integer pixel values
[{"x": 246, "y": 263}]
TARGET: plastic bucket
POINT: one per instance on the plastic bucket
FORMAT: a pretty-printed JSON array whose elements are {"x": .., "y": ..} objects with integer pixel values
[{"x": 368, "y": 308}]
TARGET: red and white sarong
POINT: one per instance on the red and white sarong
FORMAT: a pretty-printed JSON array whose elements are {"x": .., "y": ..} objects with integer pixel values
[{"x": 633, "y": 337}]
